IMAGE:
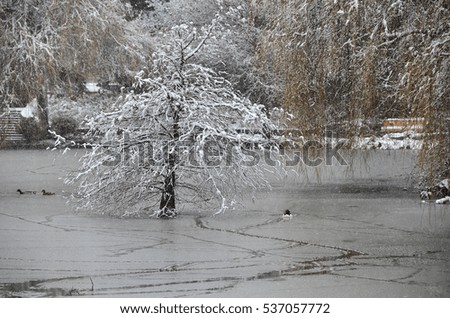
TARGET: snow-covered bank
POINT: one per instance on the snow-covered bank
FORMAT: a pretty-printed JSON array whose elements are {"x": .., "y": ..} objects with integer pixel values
[
  {"x": 443, "y": 200},
  {"x": 393, "y": 141}
]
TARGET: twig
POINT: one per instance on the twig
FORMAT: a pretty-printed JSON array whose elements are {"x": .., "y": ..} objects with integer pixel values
[{"x": 92, "y": 284}]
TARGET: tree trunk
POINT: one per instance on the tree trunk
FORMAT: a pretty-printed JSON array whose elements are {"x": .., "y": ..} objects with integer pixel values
[
  {"x": 42, "y": 101},
  {"x": 43, "y": 113},
  {"x": 167, "y": 204}
]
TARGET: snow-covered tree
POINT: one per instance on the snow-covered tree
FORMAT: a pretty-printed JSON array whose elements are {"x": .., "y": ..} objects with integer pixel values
[
  {"x": 182, "y": 136},
  {"x": 44, "y": 44},
  {"x": 163, "y": 14},
  {"x": 236, "y": 55}
]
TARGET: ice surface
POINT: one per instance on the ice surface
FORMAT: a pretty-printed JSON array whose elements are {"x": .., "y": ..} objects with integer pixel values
[{"x": 353, "y": 234}]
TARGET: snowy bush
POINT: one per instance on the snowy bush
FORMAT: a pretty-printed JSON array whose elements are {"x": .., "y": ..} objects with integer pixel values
[
  {"x": 81, "y": 108},
  {"x": 64, "y": 125},
  {"x": 29, "y": 128}
]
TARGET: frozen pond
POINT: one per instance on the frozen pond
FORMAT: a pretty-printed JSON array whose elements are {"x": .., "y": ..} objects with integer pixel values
[{"x": 355, "y": 234}]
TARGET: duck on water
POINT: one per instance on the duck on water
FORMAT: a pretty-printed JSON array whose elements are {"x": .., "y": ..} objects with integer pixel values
[
  {"x": 26, "y": 192},
  {"x": 287, "y": 215}
]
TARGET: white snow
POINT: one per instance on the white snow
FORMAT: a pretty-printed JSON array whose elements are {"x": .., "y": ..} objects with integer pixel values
[
  {"x": 30, "y": 110},
  {"x": 390, "y": 142},
  {"x": 443, "y": 200},
  {"x": 92, "y": 88},
  {"x": 443, "y": 184}
]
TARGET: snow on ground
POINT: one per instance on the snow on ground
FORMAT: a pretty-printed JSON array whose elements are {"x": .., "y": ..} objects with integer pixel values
[
  {"x": 30, "y": 110},
  {"x": 393, "y": 141}
]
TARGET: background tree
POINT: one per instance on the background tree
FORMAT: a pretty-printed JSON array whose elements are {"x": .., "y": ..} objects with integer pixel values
[
  {"x": 44, "y": 44},
  {"x": 164, "y": 14},
  {"x": 179, "y": 137},
  {"x": 235, "y": 41},
  {"x": 351, "y": 64}
]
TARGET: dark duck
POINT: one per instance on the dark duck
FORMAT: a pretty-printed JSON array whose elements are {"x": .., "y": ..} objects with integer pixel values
[
  {"x": 287, "y": 215},
  {"x": 26, "y": 192}
]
